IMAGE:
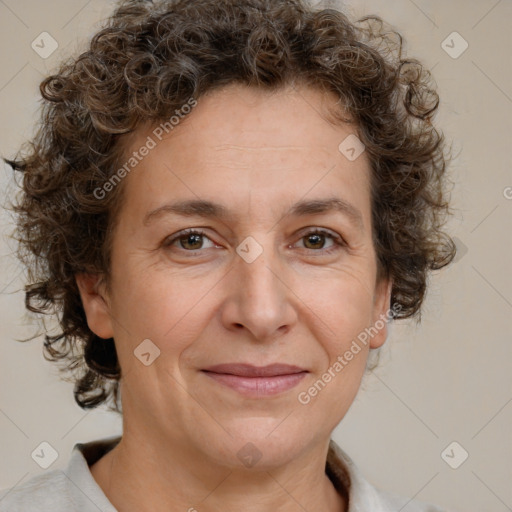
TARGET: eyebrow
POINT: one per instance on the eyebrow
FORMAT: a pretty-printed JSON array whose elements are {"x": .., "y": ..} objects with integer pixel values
[{"x": 209, "y": 209}]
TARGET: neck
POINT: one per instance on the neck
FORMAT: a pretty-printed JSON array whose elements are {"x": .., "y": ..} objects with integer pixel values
[{"x": 143, "y": 477}]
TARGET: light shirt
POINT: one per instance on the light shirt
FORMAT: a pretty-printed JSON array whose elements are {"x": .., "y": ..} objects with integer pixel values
[{"x": 74, "y": 489}]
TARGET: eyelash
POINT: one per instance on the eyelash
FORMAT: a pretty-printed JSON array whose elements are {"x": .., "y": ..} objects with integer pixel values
[{"x": 338, "y": 241}]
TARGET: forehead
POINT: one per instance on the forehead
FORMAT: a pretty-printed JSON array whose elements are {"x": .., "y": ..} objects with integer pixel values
[
  {"x": 243, "y": 143},
  {"x": 255, "y": 121}
]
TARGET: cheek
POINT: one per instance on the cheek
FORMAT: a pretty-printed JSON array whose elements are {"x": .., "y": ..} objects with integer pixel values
[
  {"x": 167, "y": 309},
  {"x": 347, "y": 304},
  {"x": 347, "y": 308}
]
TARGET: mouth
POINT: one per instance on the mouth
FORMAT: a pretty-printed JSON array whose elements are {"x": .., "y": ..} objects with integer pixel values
[{"x": 256, "y": 381}]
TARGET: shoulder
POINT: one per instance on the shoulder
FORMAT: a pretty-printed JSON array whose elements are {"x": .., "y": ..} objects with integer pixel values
[
  {"x": 48, "y": 492},
  {"x": 63, "y": 490},
  {"x": 362, "y": 495},
  {"x": 390, "y": 502}
]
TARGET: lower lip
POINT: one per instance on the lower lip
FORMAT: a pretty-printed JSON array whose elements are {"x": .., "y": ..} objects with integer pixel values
[{"x": 258, "y": 386}]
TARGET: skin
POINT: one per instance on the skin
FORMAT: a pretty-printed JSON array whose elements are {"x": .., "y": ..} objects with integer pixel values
[{"x": 257, "y": 153}]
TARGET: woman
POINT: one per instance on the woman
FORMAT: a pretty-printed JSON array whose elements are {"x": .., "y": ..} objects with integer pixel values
[{"x": 225, "y": 205}]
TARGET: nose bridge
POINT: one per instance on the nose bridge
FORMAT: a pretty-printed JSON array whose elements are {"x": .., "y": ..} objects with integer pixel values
[
  {"x": 260, "y": 297},
  {"x": 258, "y": 283}
]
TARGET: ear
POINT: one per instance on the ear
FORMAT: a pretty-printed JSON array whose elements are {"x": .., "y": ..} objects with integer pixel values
[
  {"x": 95, "y": 303},
  {"x": 381, "y": 313}
]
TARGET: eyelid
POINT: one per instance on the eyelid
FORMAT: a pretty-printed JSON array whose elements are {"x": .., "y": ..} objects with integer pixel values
[{"x": 324, "y": 231}]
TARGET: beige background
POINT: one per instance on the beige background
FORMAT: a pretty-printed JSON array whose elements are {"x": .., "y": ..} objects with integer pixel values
[{"x": 448, "y": 379}]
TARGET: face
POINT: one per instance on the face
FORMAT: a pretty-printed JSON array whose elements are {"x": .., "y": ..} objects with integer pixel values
[{"x": 279, "y": 269}]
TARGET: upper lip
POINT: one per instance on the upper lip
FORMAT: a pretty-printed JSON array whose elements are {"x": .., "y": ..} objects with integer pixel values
[{"x": 249, "y": 370}]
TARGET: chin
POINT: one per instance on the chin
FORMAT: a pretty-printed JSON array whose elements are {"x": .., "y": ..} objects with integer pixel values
[{"x": 258, "y": 444}]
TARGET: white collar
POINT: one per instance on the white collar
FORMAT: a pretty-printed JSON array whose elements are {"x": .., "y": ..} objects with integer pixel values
[{"x": 362, "y": 496}]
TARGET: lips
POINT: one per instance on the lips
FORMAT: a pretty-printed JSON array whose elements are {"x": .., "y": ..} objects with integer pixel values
[
  {"x": 256, "y": 381},
  {"x": 248, "y": 370}
]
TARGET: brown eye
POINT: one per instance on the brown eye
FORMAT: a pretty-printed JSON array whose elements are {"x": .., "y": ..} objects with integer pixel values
[
  {"x": 315, "y": 241},
  {"x": 191, "y": 241},
  {"x": 188, "y": 241}
]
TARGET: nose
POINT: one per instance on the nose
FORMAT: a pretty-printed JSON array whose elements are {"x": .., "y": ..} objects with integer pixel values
[{"x": 259, "y": 299}]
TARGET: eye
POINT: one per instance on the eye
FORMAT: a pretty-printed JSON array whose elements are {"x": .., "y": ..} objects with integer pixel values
[
  {"x": 193, "y": 240},
  {"x": 314, "y": 240},
  {"x": 189, "y": 240}
]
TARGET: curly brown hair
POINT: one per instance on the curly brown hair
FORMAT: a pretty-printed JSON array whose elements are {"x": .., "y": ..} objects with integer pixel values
[{"x": 146, "y": 62}]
